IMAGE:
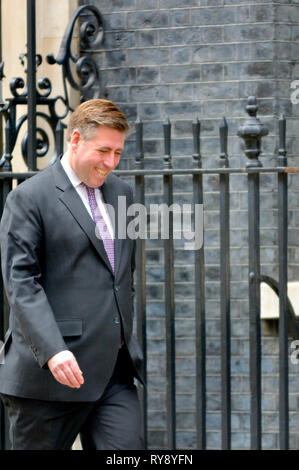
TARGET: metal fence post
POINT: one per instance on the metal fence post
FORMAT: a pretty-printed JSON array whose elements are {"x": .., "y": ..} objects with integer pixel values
[
  {"x": 225, "y": 290},
  {"x": 169, "y": 293},
  {"x": 1, "y": 76},
  {"x": 140, "y": 271},
  {"x": 200, "y": 319},
  {"x": 31, "y": 83},
  {"x": 251, "y": 132},
  {"x": 283, "y": 290}
]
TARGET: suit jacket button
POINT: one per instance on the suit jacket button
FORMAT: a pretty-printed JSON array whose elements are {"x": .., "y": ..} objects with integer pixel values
[
  {"x": 116, "y": 289},
  {"x": 116, "y": 320}
]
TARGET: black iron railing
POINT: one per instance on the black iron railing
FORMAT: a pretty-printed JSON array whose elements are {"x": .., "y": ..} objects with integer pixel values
[{"x": 252, "y": 132}]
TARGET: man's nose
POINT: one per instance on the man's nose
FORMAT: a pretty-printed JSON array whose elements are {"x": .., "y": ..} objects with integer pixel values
[{"x": 109, "y": 160}]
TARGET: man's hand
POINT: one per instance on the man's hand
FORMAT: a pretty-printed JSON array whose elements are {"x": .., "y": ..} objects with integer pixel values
[{"x": 65, "y": 369}]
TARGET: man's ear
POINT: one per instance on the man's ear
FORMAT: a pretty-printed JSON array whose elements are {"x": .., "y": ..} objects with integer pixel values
[{"x": 75, "y": 139}]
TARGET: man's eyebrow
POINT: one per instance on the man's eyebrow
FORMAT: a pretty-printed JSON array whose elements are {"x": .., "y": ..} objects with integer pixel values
[{"x": 106, "y": 147}]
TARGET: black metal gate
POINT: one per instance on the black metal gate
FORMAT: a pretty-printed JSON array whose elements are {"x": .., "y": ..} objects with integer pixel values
[{"x": 251, "y": 132}]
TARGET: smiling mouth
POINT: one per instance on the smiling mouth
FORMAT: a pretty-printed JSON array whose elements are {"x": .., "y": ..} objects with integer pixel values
[{"x": 101, "y": 172}]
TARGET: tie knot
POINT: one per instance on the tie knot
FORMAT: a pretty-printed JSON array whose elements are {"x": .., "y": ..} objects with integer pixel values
[{"x": 88, "y": 188}]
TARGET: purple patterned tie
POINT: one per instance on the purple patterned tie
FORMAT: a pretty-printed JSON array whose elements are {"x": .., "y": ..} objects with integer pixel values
[
  {"x": 103, "y": 232},
  {"x": 101, "y": 225}
]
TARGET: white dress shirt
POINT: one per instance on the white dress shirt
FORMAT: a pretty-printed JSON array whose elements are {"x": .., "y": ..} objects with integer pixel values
[{"x": 76, "y": 182}]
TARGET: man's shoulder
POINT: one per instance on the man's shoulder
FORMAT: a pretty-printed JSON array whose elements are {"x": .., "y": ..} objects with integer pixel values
[
  {"x": 121, "y": 185},
  {"x": 36, "y": 183}
]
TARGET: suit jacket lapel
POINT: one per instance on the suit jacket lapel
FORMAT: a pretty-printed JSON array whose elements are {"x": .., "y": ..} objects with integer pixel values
[{"x": 71, "y": 199}]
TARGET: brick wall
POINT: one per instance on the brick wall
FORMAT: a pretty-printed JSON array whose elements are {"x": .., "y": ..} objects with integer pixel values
[{"x": 184, "y": 59}]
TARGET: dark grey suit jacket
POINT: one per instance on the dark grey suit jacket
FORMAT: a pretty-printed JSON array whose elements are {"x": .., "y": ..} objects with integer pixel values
[{"x": 61, "y": 290}]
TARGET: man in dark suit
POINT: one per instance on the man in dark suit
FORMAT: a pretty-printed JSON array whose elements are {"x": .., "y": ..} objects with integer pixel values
[{"x": 70, "y": 358}]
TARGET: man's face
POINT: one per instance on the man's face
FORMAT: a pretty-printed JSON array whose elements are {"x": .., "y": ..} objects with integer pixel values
[{"x": 92, "y": 160}]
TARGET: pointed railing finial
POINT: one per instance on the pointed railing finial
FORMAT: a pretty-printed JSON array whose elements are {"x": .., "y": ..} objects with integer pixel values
[
  {"x": 139, "y": 158},
  {"x": 167, "y": 143},
  {"x": 196, "y": 142},
  {"x": 282, "y": 151},
  {"x": 223, "y": 132}
]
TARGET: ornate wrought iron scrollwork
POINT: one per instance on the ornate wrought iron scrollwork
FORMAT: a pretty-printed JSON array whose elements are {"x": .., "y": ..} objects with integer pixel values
[
  {"x": 87, "y": 82},
  {"x": 91, "y": 36}
]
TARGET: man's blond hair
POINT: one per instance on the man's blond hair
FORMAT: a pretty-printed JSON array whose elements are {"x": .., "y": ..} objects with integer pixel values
[{"x": 92, "y": 113}]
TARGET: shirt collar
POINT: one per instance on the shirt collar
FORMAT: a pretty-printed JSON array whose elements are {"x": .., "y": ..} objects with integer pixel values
[{"x": 69, "y": 171}]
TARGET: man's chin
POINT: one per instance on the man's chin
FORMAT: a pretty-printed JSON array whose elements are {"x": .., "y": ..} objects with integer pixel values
[{"x": 99, "y": 181}]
